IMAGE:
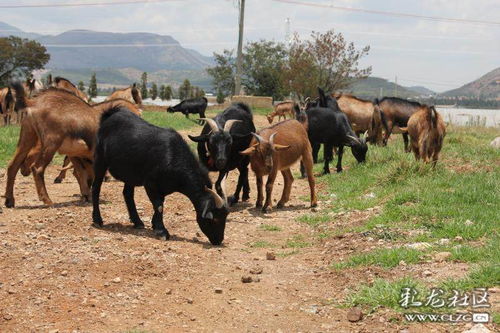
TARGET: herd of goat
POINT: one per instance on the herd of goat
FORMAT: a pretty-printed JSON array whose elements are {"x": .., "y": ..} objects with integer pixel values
[{"x": 111, "y": 137}]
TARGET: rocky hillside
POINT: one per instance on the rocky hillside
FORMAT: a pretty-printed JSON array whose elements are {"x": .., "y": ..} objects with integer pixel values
[{"x": 487, "y": 86}]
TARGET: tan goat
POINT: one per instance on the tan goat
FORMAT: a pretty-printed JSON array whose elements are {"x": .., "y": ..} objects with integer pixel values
[
  {"x": 277, "y": 148},
  {"x": 65, "y": 84},
  {"x": 56, "y": 121},
  {"x": 280, "y": 110},
  {"x": 363, "y": 115},
  {"x": 132, "y": 94},
  {"x": 427, "y": 130},
  {"x": 7, "y": 102}
]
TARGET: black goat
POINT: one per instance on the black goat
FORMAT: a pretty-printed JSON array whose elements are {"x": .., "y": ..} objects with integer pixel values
[
  {"x": 220, "y": 142},
  {"x": 328, "y": 125},
  {"x": 141, "y": 154},
  {"x": 194, "y": 105}
]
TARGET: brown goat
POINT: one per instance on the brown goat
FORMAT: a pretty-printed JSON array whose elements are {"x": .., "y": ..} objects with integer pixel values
[
  {"x": 65, "y": 84},
  {"x": 7, "y": 102},
  {"x": 427, "y": 130},
  {"x": 277, "y": 148},
  {"x": 363, "y": 116},
  {"x": 280, "y": 110},
  {"x": 132, "y": 94},
  {"x": 56, "y": 121}
]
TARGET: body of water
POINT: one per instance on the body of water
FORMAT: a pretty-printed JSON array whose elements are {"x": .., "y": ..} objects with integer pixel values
[{"x": 471, "y": 117}]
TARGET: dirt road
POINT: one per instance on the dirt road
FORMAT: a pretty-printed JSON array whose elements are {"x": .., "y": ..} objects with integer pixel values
[{"x": 58, "y": 273}]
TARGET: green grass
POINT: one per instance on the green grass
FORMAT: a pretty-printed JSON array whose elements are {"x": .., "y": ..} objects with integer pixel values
[
  {"x": 8, "y": 143},
  {"x": 297, "y": 242},
  {"x": 262, "y": 244},
  {"x": 386, "y": 258},
  {"x": 174, "y": 120},
  {"x": 465, "y": 185},
  {"x": 268, "y": 227}
]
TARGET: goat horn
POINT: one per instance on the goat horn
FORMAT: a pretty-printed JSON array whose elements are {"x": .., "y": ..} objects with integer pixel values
[
  {"x": 213, "y": 125},
  {"x": 229, "y": 124},
  {"x": 271, "y": 139},
  {"x": 223, "y": 186},
  {"x": 219, "y": 202},
  {"x": 354, "y": 138},
  {"x": 258, "y": 137}
]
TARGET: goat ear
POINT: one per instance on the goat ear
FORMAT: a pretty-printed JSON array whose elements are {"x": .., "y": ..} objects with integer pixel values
[
  {"x": 278, "y": 147},
  {"x": 249, "y": 150},
  {"x": 200, "y": 138},
  {"x": 322, "y": 98}
]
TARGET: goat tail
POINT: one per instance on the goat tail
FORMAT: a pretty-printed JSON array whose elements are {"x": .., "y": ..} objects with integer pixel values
[
  {"x": 21, "y": 99},
  {"x": 433, "y": 117},
  {"x": 384, "y": 121}
]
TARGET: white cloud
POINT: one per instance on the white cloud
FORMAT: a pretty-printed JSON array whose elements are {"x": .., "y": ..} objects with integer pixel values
[{"x": 415, "y": 49}]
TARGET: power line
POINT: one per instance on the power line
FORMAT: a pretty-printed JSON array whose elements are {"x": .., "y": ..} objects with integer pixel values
[
  {"x": 85, "y": 4},
  {"x": 387, "y": 13}
]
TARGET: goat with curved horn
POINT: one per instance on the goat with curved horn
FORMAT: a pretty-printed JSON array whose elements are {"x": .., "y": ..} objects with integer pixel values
[
  {"x": 219, "y": 144},
  {"x": 213, "y": 125},
  {"x": 229, "y": 124},
  {"x": 259, "y": 138},
  {"x": 219, "y": 202}
]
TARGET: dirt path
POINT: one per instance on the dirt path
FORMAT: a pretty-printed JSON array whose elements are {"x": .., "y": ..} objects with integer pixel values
[{"x": 59, "y": 273}]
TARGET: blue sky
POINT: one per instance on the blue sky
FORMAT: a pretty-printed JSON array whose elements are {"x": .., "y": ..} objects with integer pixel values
[{"x": 436, "y": 54}]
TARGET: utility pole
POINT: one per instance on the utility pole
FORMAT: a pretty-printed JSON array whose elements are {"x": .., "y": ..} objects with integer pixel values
[{"x": 239, "y": 60}]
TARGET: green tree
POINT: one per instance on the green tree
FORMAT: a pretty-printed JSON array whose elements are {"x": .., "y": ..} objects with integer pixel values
[
  {"x": 168, "y": 93},
  {"x": 325, "y": 60},
  {"x": 161, "y": 93},
  {"x": 154, "y": 91},
  {"x": 185, "y": 90},
  {"x": 144, "y": 85},
  {"x": 20, "y": 56},
  {"x": 223, "y": 72},
  {"x": 81, "y": 86},
  {"x": 263, "y": 69},
  {"x": 220, "y": 97},
  {"x": 93, "y": 86}
]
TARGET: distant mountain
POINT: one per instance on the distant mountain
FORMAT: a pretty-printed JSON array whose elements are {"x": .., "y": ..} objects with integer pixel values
[
  {"x": 421, "y": 90},
  {"x": 486, "y": 87},
  {"x": 78, "y": 49},
  {"x": 119, "y": 58},
  {"x": 8, "y": 30},
  {"x": 372, "y": 87}
]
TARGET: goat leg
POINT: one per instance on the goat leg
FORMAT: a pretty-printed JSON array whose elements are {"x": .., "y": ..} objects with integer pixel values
[
  {"x": 100, "y": 171},
  {"x": 287, "y": 188},
  {"x": 157, "y": 220},
  {"x": 128, "y": 196},
  {"x": 62, "y": 174},
  {"x": 308, "y": 164},
  {"x": 260, "y": 195},
  {"x": 340, "y": 152},
  {"x": 268, "y": 205}
]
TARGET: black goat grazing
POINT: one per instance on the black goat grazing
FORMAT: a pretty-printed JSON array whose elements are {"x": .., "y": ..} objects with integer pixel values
[
  {"x": 333, "y": 130},
  {"x": 194, "y": 105},
  {"x": 141, "y": 154},
  {"x": 220, "y": 142}
]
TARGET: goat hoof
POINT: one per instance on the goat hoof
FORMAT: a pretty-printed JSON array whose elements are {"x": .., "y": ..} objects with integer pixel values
[
  {"x": 97, "y": 224},
  {"x": 138, "y": 225},
  {"x": 266, "y": 209},
  {"x": 339, "y": 170},
  {"x": 9, "y": 202},
  {"x": 280, "y": 205},
  {"x": 258, "y": 205},
  {"x": 245, "y": 197},
  {"x": 232, "y": 200},
  {"x": 162, "y": 234},
  {"x": 58, "y": 180},
  {"x": 107, "y": 179},
  {"x": 314, "y": 204}
]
